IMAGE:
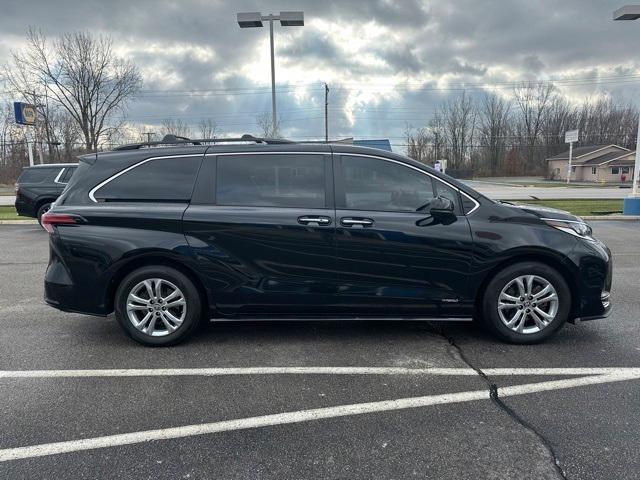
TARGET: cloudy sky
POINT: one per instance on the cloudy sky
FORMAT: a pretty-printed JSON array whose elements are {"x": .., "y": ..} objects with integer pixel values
[{"x": 387, "y": 62}]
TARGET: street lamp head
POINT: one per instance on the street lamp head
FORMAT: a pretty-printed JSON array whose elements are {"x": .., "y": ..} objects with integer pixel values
[
  {"x": 249, "y": 19},
  {"x": 628, "y": 12},
  {"x": 292, "y": 19}
]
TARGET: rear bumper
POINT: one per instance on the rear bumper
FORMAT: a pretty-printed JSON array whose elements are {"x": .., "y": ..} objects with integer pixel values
[
  {"x": 61, "y": 292},
  {"x": 63, "y": 297},
  {"x": 24, "y": 209}
]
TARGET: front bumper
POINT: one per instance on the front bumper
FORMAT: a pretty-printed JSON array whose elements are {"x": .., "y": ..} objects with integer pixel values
[{"x": 595, "y": 276}]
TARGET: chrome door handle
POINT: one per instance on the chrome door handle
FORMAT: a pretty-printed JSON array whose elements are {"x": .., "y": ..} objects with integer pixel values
[
  {"x": 306, "y": 220},
  {"x": 350, "y": 222}
]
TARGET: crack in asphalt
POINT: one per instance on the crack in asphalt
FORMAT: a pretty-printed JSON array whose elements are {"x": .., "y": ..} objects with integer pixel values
[{"x": 457, "y": 353}]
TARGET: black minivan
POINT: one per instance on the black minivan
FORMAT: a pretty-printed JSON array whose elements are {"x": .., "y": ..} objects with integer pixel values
[{"x": 170, "y": 235}]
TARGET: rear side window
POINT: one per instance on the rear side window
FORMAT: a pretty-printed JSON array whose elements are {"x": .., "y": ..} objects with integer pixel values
[
  {"x": 66, "y": 176},
  {"x": 38, "y": 175},
  {"x": 279, "y": 180},
  {"x": 162, "y": 179},
  {"x": 373, "y": 184}
]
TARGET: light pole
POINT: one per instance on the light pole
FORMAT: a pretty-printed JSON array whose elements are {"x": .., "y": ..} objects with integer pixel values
[
  {"x": 632, "y": 203},
  {"x": 287, "y": 19}
]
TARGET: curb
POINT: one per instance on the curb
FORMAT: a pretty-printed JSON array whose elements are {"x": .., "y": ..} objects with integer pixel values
[
  {"x": 18, "y": 222},
  {"x": 619, "y": 218}
]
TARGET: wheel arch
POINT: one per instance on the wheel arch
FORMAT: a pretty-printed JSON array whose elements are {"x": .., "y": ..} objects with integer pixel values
[
  {"x": 545, "y": 258},
  {"x": 41, "y": 201},
  {"x": 154, "y": 259}
]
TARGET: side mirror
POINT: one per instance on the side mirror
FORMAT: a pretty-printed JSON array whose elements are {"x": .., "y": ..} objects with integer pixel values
[{"x": 441, "y": 206}]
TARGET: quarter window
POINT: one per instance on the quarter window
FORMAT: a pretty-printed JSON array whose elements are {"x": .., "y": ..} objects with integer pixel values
[
  {"x": 283, "y": 180},
  {"x": 164, "y": 179},
  {"x": 66, "y": 176},
  {"x": 374, "y": 184}
]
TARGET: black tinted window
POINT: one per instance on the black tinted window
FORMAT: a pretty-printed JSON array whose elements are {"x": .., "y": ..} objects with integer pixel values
[
  {"x": 467, "y": 204},
  {"x": 285, "y": 180},
  {"x": 372, "y": 184},
  {"x": 38, "y": 175},
  {"x": 169, "y": 179},
  {"x": 66, "y": 176},
  {"x": 444, "y": 190}
]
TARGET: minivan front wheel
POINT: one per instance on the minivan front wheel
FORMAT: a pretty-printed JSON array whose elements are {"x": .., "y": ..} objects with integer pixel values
[
  {"x": 526, "y": 302},
  {"x": 158, "y": 305}
]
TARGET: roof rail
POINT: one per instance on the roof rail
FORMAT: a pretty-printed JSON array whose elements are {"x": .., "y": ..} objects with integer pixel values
[{"x": 177, "y": 140}]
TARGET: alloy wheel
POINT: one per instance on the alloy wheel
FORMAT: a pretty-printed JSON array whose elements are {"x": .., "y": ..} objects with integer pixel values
[
  {"x": 528, "y": 304},
  {"x": 156, "y": 307}
]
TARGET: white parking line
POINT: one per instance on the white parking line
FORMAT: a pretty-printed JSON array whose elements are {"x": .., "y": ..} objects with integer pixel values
[
  {"x": 209, "y": 372},
  {"x": 308, "y": 415}
]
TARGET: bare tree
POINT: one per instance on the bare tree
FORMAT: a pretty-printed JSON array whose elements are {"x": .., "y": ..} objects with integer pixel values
[
  {"x": 494, "y": 129},
  {"x": 81, "y": 73},
  {"x": 418, "y": 143},
  {"x": 265, "y": 126},
  {"x": 532, "y": 100},
  {"x": 208, "y": 128},
  {"x": 456, "y": 120},
  {"x": 177, "y": 127}
]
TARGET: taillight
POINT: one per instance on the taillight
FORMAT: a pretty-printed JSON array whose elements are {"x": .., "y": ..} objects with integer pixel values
[{"x": 50, "y": 220}]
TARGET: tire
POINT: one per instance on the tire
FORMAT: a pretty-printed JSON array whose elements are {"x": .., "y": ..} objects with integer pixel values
[
  {"x": 156, "y": 330},
  {"x": 44, "y": 208},
  {"x": 504, "y": 290}
]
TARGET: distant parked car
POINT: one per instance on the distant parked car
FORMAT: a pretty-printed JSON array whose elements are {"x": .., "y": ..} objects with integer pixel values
[
  {"x": 38, "y": 187},
  {"x": 168, "y": 236}
]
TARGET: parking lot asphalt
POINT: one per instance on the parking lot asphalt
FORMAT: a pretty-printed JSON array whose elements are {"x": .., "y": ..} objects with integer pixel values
[{"x": 188, "y": 422}]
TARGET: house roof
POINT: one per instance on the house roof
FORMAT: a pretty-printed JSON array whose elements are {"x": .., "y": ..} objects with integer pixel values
[
  {"x": 607, "y": 157},
  {"x": 622, "y": 163},
  {"x": 586, "y": 150}
]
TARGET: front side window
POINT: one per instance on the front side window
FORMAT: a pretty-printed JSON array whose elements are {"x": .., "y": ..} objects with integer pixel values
[
  {"x": 278, "y": 180},
  {"x": 374, "y": 184},
  {"x": 161, "y": 179}
]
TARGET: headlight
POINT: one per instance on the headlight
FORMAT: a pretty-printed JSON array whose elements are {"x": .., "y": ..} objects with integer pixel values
[{"x": 575, "y": 228}]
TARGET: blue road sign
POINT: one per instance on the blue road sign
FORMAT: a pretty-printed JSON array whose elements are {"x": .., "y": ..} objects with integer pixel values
[{"x": 25, "y": 113}]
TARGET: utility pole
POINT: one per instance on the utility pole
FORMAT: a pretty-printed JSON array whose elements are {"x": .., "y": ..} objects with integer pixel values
[
  {"x": 148, "y": 134},
  {"x": 326, "y": 113}
]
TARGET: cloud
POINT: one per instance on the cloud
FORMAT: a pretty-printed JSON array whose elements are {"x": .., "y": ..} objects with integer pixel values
[{"x": 388, "y": 62}]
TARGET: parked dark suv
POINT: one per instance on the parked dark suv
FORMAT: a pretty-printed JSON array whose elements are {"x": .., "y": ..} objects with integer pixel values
[
  {"x": 38, "y": 187},
  {"x": 168, "y": 236}
]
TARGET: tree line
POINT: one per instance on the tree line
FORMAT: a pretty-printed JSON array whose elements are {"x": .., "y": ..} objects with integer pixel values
[
  {"x": 82, "y": 90},
  {"x": 512, "y": 133}
]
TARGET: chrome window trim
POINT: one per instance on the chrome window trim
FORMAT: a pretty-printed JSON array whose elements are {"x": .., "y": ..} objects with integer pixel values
[
  {"x": 113, "y": 177},
  {"x": 475, "y": 207},
  {"x": 265, "y": 153},
  {"x": 56, "y": 180},
  {"x": 131, "y": 167}
]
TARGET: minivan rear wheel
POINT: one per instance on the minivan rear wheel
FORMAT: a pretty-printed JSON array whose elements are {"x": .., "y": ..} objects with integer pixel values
[
  {"x": 158, "y": 305},
  {"x": 526, "y": 303}
]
